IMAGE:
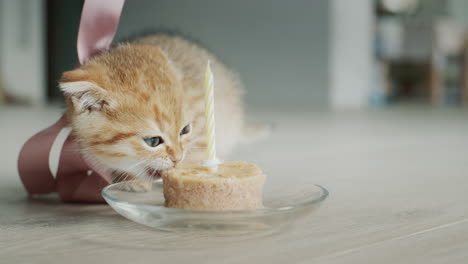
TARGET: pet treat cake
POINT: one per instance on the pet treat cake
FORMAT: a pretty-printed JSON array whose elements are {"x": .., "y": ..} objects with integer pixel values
[{"x": 234, "y": 185}]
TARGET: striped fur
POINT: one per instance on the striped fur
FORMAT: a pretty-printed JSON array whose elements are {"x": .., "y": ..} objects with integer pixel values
[{"x": 152, "y": 87}]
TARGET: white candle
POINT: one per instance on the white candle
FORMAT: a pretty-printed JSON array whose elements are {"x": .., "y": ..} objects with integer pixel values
[{"x": 210, "y": 118}]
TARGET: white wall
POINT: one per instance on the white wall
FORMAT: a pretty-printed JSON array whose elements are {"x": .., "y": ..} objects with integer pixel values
[
  {"x": 351, "y": 54},
  {"x": 22, "y": 48}
]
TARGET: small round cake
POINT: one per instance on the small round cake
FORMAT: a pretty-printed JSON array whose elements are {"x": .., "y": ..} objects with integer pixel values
[{"x": 235, "y": 185}]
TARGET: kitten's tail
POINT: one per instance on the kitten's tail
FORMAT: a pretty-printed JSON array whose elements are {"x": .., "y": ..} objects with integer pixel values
[{"x": 256, "y": 131}]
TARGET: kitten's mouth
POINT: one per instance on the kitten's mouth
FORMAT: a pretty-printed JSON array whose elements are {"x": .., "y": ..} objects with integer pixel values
[{"x": 153, "y": 173}]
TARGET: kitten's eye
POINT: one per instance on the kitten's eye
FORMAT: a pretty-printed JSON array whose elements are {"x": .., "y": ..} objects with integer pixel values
[
  {"x": 154, "y": 141},
  {"x": 185, "y": 130}
]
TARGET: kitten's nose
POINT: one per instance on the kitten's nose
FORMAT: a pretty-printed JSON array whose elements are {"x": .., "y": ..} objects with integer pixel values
[{"x": 176, "y": 159}]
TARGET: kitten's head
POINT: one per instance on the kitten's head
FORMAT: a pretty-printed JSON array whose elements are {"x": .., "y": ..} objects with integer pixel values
[{"x": 127, "y": 110}]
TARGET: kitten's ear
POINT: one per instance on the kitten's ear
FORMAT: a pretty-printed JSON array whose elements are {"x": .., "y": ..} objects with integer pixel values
[{"x": 84, "y": 94}]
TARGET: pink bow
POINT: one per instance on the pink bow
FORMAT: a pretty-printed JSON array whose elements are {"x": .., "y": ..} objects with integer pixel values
[{"x": 77, "y": 179}]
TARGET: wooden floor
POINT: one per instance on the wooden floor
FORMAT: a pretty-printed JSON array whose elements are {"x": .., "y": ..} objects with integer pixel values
[{"x": 398, "y": 182}]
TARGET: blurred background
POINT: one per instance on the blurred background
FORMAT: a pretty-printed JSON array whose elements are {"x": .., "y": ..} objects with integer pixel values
[
  {"x": 302, "y": 54},
  {"x": 367, "y": 98}
]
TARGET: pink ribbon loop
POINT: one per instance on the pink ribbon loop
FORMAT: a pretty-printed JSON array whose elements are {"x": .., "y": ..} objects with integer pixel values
[
  {"x": 98, "y": 25},
  {"x": 33, "y": 162},
  {"x": 77, "y": 180}
]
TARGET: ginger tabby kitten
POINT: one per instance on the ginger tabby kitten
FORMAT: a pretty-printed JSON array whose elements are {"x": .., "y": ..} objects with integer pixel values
[{"x": 139, "y": 108}]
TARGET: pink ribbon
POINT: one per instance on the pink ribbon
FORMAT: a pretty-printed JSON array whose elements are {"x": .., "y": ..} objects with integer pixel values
[
  {"x": 99, "y": 21},
  {"x": 77, "y": 179}
]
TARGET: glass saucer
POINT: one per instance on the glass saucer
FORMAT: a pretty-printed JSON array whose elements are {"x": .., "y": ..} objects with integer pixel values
[{"x": 283, "y": 205}]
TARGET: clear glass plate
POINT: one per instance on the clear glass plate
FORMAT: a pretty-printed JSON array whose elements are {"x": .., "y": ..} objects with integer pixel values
[{"x": 283, "y": 205}]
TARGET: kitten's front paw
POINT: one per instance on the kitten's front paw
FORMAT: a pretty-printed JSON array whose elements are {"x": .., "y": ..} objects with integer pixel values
[{"x": 138, "y": 186}]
